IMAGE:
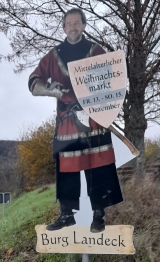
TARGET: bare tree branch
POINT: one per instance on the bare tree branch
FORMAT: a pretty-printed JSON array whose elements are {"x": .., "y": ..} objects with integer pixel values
[{"x": 152, "y": 21}]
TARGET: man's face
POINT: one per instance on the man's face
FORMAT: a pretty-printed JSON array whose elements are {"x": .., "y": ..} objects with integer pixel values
[{"x": 74, "y": 28}]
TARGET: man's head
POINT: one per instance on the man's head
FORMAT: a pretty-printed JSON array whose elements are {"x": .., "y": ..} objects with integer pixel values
[{"x": 74, "y": 23}]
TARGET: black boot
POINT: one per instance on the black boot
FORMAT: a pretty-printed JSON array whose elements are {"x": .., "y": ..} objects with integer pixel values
[
  {"x": 66, "y": 219},
  {"x": 98, "y": 224}
]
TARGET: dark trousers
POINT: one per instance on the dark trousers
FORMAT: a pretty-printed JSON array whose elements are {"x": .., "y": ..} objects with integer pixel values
[{"x": 102, "y": 186}]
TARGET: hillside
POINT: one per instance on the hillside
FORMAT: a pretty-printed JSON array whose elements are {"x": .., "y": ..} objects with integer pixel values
[
  {"x": 140, "y": 208},
  {"x": 8, "y": 157},
  {"x": 17, "y": 228},
  {"x": 8, "y": 148}
]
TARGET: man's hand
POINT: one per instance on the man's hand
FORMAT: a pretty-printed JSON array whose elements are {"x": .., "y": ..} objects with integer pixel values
[
  {"x": 55, "y": 85},
  {"x": 53, "y": 90}
]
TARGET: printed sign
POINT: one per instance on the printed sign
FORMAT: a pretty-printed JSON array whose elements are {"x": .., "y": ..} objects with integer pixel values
[
  {"x": 99, "y": 83},
  {"x": 114, "y": 240},
  {"x": 5, "y": 198}
]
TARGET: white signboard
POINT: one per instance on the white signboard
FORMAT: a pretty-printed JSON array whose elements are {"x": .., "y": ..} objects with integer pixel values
[
  {"x": 99, "y": 83},
  {"x": 114, "y": 240}
]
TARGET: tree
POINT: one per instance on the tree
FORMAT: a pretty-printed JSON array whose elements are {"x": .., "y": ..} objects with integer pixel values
[
  {"x": 152, "y": 149},
  {"x": 34, "y": 27},
  {"x": 35, "y": 160}
]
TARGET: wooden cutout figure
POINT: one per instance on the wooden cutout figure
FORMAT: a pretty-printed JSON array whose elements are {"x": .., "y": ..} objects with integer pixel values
[{"x": 77, "y": 146}]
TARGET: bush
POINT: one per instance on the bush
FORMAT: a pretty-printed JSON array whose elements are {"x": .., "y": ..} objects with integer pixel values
[{"x": 35, "y": 161}]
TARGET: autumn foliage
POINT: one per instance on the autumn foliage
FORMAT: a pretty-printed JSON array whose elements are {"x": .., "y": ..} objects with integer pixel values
[
  {"x": 35, "y": 160},
  {"x": 152, "y": 149}
]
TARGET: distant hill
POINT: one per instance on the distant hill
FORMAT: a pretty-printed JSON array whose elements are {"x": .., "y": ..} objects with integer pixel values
[
  {"x": 8, "y": 148},
  {"x": 8, "y": 159}
]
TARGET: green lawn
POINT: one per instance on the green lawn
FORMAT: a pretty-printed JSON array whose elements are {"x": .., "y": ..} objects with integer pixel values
[{"x": 22, "y": 214}]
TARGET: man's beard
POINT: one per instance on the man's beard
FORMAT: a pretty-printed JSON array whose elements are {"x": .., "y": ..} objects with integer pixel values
[{"x": 74, "y": 40}]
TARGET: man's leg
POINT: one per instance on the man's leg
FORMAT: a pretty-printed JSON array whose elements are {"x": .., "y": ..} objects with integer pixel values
[
  {"x": 104, "y": 190},
  {"x": 68, "y": 193}
]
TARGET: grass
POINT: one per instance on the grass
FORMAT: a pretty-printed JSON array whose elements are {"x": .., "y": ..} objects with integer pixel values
[
  {"x": 141, "y": 208},
  {"x": 17, "y": 234}
]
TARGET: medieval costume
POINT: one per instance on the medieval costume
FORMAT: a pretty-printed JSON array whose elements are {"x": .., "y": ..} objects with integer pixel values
[{"x": 75, "y": 148}]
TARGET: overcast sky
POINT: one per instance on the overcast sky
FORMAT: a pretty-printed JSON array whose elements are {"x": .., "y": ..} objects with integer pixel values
[{"x": 18, "y": 108}]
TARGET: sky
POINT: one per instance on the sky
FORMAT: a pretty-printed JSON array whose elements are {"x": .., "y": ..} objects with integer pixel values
[{"x": 19, "y": 109}]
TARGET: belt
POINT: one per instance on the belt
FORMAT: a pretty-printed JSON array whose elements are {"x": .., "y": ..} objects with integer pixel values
[
  {"x": 62, "y": 106},
  {"x": 71, "y": 106}
]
